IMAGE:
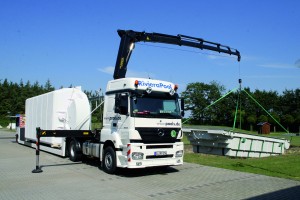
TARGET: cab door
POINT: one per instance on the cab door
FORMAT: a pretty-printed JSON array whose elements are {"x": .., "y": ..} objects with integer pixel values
[{"x": 122, "y": 109}]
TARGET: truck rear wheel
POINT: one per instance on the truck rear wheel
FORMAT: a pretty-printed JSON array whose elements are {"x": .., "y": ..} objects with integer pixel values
[
  {"x": 109, "y": 161},
  {"x": 74, "y": 152}
]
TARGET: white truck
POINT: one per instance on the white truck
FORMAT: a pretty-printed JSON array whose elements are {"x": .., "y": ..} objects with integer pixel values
[
  {"x": 141, "y": 124},
  {"x": 141, "y": 117}
]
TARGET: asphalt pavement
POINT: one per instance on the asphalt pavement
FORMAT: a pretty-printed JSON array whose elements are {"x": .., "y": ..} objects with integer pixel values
[{"x": 64, "y": 179}]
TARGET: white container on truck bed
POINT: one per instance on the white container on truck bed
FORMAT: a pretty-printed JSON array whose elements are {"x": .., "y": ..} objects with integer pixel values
[{"x": 63, "y": 109}]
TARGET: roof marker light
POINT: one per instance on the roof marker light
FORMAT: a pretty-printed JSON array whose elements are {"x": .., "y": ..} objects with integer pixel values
[
  {"x": 176, "y": 87},
  {"x": 136, "y": 83}
]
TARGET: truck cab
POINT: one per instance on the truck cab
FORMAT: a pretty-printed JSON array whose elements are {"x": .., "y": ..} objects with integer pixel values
[{"x": 141, "y": 124}]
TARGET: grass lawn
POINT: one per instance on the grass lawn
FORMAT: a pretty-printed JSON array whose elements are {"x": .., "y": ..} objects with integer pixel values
[{"x": 284, "y": 166}]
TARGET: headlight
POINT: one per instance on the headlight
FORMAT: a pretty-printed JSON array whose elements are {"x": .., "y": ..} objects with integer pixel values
[
  {"x": 179, "y": 153},
  {"x": 137, "y": 156}
]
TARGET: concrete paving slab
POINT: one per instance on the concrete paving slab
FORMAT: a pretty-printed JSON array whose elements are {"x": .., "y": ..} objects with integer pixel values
[{"x": 64, "y": 179}]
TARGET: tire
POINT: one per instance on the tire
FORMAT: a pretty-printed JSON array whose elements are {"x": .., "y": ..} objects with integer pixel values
[
  {"x": 75, "y": 154},
  {"x": 109, "y": 160}
]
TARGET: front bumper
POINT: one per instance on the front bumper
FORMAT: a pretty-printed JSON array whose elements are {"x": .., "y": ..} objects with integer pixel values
[{"x": 152, "y": 155}]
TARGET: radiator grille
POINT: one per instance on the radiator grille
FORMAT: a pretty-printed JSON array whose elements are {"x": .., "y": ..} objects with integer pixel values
[{"x": 158, "y": 135}]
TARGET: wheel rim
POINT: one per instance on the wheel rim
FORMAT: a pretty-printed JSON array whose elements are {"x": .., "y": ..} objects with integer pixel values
[{"x": 108, "y": 161}]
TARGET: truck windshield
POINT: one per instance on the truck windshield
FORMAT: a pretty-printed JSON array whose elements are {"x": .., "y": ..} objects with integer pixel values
[{"x": 158, "y": 106}]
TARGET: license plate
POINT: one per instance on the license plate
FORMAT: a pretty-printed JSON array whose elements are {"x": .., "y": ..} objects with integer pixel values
[{"x": 160, "y": 153}]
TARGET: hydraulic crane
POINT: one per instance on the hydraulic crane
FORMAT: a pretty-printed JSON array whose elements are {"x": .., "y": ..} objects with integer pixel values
[
  {"x": 142, "y": 124},
  {"x": 130, "y": 37}
]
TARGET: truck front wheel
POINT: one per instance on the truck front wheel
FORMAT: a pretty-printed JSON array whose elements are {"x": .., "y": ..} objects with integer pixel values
[
  {"x": 109, "y": 161},
  {"x": 74, "y": 153}
]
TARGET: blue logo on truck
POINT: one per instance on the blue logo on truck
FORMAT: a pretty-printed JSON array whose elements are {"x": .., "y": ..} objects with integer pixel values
[{"x": 155, "y": 85}]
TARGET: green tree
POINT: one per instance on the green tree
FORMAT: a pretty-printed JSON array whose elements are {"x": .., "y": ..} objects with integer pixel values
[
  {"x": 290, "y": 105},
  {"x": 13, "y": 96},
  {"x": 297, "y": 122},
  {"x": 274, "y": 120},
  {"x": 251, "y": 119},
  {"x": 198, "y": 96},
  {"x": 95, "y": 100},
  {"x": 268, "y": 100},
  {"x": 5, "y": 105},
  {"x": 48, "y": 87},
  {"x": 239, "y": 117},
  {"x": 262, "y": 118},
  {"x": 288, "y": 120}
]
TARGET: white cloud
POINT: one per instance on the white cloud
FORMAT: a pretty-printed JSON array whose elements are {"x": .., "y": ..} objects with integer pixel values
[
  {"x": 212, "y": 57},
  {"x": 107, "y": 70},
  {"x": 130, "y": 73},
  {"x": 220, "y": 56}
]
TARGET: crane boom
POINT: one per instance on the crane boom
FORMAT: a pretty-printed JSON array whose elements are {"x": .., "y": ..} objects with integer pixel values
[{"x": 130, "y": 37}]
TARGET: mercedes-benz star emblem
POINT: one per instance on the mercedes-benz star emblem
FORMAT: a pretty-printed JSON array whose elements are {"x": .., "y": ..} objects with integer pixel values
[{"x": 160, "y": 132}]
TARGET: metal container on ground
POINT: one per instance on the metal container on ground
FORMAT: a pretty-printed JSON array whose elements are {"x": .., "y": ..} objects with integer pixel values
[{"x": 226, "y": 143}]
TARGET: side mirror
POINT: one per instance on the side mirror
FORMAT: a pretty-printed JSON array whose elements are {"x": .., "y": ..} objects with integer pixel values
[{"x": 182, "y": 106}]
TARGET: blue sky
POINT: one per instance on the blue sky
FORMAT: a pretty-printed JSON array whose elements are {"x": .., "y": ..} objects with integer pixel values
[{"x": 76, "y": 41}]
